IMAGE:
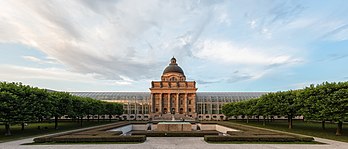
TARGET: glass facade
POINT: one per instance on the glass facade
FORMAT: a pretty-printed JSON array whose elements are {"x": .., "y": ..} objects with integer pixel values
[{"x": 139, "y": 102}]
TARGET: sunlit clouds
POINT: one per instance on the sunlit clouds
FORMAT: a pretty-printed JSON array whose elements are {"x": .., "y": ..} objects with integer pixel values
[{"x": 123, "y": 45}]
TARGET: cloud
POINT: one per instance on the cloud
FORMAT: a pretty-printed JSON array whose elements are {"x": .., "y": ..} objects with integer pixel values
[
  {"x": 48, "y": 60},
  {"x": 126, "y": 42},
  {"x": 207, "y": 82},
  {"x": 104, "y": 38},
  {"x": 32, "y": 58},
  {"x": 338, "y": 34},
  {"x": 15, "y": 73},
  {"x": 267, "y": 20},
  {"x": 228, "y": 52}
]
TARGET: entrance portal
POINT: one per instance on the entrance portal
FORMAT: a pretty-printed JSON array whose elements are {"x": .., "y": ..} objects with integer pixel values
[{"x": 181, "y": 111}]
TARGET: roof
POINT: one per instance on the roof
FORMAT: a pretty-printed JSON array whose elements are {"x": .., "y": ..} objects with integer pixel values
[
  {"x": 173, "y": 67},
  {"x": 144, "y": 95}
]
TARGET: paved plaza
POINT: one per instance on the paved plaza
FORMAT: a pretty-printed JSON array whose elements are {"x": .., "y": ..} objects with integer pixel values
[{"x": 176, "y": 143}]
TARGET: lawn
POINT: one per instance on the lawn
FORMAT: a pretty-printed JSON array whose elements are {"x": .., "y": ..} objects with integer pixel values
[
  {"x": 301, "y": 127},
  {"x": 32, "y": 130}
]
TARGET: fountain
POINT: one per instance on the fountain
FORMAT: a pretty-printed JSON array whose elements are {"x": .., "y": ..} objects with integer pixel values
[{"x": 174, "y": 125}]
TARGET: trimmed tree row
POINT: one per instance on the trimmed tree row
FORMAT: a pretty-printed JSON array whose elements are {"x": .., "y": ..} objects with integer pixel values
[
  {"x": 322, "y": 102},
  {"x": 22, "y": 103}
]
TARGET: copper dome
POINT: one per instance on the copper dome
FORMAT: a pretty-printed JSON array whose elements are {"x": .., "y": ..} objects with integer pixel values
[{"x": 173, "y": 67}]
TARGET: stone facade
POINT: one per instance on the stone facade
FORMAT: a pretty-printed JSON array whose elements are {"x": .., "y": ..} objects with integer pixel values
[{"x": 173, "y": 94}]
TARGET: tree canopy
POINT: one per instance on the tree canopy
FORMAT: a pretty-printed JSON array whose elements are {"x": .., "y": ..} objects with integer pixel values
[
  {"x": 22, "y": 103},
  {"x": 326, "y": 101}
]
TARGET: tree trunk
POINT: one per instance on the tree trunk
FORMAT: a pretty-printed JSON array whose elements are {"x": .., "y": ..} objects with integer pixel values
[
  {"x": 258, "y": 118},
  {"x": 323, "y": 124},
  {"x": 81, "y": 121},
  {"x": 22, "y": 124},
  {"x": 264, "y": 121},
  {"x": 56, "y": 122},
  {"x": 110, "y": 118},
  {"x": 8, "y": 129},
  {"x": 339, "y": 128},
  {"x": 247, "y": 119},
  {"x": 290, "y": 121}
]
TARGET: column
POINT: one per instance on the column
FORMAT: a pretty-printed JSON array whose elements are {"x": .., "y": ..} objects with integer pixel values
[
  {"x": 142, "y": 107},
  {"x": 177, "y": 103},
  {"x": 203, "y": 104},
  {"x": 128, "y": 107},
  {"x": 194, "y": 103},
  {"x": 169, "y": 104},
  {"x": 211, "y": 106},
  {"x": 136, "y": 106},
  {"x": 185, "y": 103},
  {"x": 160, "y": 104},
  {"x": 152, "y": 103},
  {"x": 218, "y": 107}
]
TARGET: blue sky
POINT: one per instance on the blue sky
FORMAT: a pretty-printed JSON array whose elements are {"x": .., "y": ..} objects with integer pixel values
[{"x": 259, "y": 45}]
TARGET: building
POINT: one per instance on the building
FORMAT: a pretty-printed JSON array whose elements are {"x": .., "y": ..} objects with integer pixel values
[{"x": 172, "y": 95}]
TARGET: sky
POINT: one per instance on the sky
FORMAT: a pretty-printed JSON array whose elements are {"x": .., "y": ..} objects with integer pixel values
[{"x": 123, "y": 45}]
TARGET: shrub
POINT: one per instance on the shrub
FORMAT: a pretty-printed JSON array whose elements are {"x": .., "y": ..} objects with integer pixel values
[
  {"x": 279, "y": 138},
  {"x": 76, "y": 139}
]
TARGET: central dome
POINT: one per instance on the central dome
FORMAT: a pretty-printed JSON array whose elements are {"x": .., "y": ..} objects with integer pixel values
[{"x": 173, "y": 67}]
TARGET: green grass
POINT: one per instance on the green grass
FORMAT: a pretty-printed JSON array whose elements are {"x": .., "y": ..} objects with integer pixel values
[
  {"x": 31, "y": 130},
  {"x": 306, "y": 128}
]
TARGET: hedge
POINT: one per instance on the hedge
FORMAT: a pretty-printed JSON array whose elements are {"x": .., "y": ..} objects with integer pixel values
[
  {"x": 134, "y": 138},
  {"x": 275, "y": 138}
]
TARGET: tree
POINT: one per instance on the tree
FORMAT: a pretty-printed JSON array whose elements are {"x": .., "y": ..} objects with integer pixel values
[
  {"x": 229, "y": 109},
  {"x": 325, "y": 101},
  {"x": 113, "y": 109},
  {"x": 62, "y": 105},
  {"x": 313, "y": 101},
  {"x": 9, "y": 109},
  {"x": 265, "y": 106},
  {"x": 99, "y": 108},
  {"x": 249, "y": 108},
  {"x": 24, "y": 108},
  {"x": 286, "y": 105},
  {"x": 41, "y": 104},
  {"x": 338, "y": 108}
]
